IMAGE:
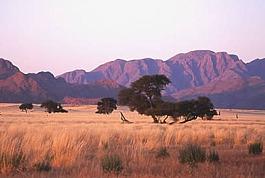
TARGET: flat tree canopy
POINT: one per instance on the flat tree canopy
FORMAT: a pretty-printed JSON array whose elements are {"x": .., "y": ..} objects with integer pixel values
[
  {"x": 192, "y": 109},
  {"x": 144, "y": 96}
]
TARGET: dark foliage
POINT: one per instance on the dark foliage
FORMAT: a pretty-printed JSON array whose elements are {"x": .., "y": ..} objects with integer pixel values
[
  {"x": 255, "y": 148},
  {"x": 192, "y": 109},
  {"x": 43, "y": 166},
  {"x": 203, "y": 107},
  {"x": 106, "y": 106},
  {"x": 26, "y": 106},
  {"x": 213, "y": 156},
  {"x": 144, "y": 95},
  {"x": 52, "y": 106}
]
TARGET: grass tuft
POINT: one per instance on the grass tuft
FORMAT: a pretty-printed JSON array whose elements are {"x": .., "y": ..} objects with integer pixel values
[
  {"x": 255, "y": 148},
  {"x": 192, "y": 154},
  {"x": 162, "y": 153},
  {"x": 111, "y": 164}
]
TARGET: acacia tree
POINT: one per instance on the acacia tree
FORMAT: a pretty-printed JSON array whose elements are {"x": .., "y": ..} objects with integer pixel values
[
  {"x": 163, "y": 110},
  {"x": 52, "y": 106},
  {"x": 26, "y": 106},
  {"x": 144, "y": 95},
  {"x": 192, "y": 109},
  {"x": 204, "y": 108},
  {"x": 106, "y": 106}
]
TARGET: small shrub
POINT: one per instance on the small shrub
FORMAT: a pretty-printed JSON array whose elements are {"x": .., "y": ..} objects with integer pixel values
[
  {"x": 162, "y": 153},
  {"x": 112, "y": 164},
  {"x": 213, "y": 156},
  {"x": 255, "y": 148},
  {"x": 43, "y": 166},
  {"x": 192, "y": 154}
]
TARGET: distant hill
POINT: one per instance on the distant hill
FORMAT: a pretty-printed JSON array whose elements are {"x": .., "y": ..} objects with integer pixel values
[
  {"x": 224, "y": 77},
  {"x": 16, "y": 86}
]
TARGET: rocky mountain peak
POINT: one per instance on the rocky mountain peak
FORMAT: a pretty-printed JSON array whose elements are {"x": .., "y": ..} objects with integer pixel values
[{"x": 7, "y": 69}]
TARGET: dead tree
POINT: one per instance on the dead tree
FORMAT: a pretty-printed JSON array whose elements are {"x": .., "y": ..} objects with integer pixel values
[
  {"x": 124, "y": 120},
  {"x": 164, "y": 120}
]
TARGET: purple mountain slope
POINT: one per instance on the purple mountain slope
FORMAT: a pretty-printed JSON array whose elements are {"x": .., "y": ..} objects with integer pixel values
[
  {"x": 193, "y": 69},
  {"x": 16, "y": 86},
  {"x": 257, "y": 68},
  {"x": 227, "y": 80},
  {"x": 202, "y": 72}
]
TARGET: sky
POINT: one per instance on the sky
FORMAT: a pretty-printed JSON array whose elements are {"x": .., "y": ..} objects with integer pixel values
[{"x": 64, "y": 35}]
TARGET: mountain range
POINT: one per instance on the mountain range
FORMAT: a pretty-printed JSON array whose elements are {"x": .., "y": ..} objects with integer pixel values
[
  {"x": 16, "y": 86},
  {"x": 226, "y": 79}
]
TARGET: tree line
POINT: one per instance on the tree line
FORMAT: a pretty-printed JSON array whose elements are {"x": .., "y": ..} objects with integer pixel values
[
  {"x": 49, "y": 105},
  {"x": 145, "y": 96}
]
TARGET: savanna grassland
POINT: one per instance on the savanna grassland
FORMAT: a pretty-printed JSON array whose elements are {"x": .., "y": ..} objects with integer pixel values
[{"x": 74, "y": 144}]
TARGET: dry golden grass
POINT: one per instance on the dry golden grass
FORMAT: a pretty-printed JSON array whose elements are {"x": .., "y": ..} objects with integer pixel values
[{"x": 74, "y": 143}]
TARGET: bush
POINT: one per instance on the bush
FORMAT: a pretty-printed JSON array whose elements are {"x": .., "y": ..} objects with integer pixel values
[
  {"x": 213, "y": 156},
  {"x": 192, "y": 154},
  {"x": 255, "y": 148},
  {"x": 43, "y": 166},
  {"x": 111, "y": 164},
  {"x": 162, "y": 153}
]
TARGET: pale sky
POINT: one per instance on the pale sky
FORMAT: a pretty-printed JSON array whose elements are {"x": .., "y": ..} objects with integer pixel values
[{"x": 64, "y": 35}]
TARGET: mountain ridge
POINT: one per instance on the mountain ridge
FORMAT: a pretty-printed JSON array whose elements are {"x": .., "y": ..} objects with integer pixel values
[
  {"x": 182, "y": 69},
  {"x": 16, "y": 86},
  {"x": 226, "y": 79},
  {"x": 201, "y": 72}
]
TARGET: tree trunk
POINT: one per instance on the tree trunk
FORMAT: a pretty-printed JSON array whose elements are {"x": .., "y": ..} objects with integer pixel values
[
  {"x": 155, "y": 119},
  {"x": 187, "y": 119},
  {"x": 164, "y": 120},
  {"x": 124, "y": 120}
]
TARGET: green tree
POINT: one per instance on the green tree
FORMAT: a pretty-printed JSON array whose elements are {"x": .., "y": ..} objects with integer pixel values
[
  {"x": 163, "y": 110},
  {"x": 106, "y": 106},
  {"x": 144, "y": 95},
  {"x": 203, "y": 107},
  {"x": 52, "y": 106},
  {"x": 26, "y": 106},
  {"x": 192, "y": 109}
]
